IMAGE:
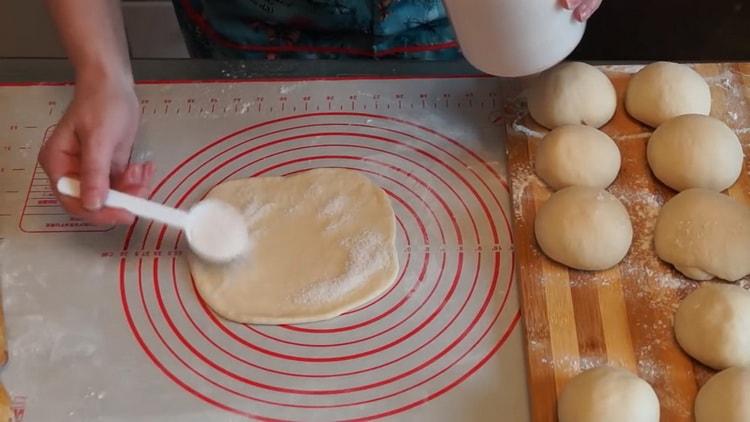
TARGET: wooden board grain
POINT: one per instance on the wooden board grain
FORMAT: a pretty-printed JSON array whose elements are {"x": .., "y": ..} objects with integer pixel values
[
  {"x": 576, "y": 320},
  {"x": 6, "y": 411},
  {"x": 3, "y": 341}
]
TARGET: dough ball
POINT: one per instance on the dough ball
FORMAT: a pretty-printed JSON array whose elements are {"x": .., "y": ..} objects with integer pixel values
[
  {"x": 704, "y": 234},
  {"x": 695, "y": 151},
  {"x": 608, "y": 394},
  {"x": 577, "y": 155},
  {"x": 663, "y": 90},
  {"x": 583, "y": 227},
  {"x": 572, "y": 93},
  {"x": 324, "y": 242},
  {"x": 712, "y": 325},
  {"x": 724, "y": 397}
]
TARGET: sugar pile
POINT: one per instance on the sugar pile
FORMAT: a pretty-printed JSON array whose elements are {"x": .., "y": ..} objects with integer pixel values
[
  {"x": 367, "y": 255},
  {"x": 216, "y": 231}
]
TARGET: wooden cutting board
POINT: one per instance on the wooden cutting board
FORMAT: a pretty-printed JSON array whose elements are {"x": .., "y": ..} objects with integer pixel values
[{"x": 577, "y": 320}]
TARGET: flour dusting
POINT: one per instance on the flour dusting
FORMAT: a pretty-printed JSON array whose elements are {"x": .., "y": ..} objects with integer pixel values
[
  {"x": 367, "y": 255},
  {"x": 651, "y": 288},
  {"x": 256, "y": 211},
  {"x": 335, "y": 206},
  {"x": 523, "y": 178},
  {"x": 621, "y": 68},
  {"x": 520, "y": 128},
  {"x": 642, "y": 135}
]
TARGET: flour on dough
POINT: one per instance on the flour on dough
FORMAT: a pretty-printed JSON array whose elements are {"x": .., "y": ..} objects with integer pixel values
[
  {"x": 704, "y": 234},
  {"x": 572, "y": 93},
  {"x": 584, "y": 228},
  {"x": 711, "y": 325},
  {"x": 695, "y": 151},
  {"x": 577, "y": 155},
  {"x": 323, "y": 243},
  {"x": 663, "y": 90}
]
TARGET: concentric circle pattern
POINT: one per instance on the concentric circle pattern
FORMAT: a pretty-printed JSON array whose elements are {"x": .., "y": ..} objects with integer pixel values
[{"x": 446, "y": 315}]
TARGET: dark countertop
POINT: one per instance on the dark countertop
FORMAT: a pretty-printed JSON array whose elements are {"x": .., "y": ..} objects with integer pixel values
[{"x": 675, "y": 30}]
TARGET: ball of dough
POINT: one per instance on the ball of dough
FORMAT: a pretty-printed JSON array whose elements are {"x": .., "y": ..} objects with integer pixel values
[
  {"x": 583, "y": 227},
  {"x": 572, "y": 93},
  {"x": 704, "y": 234},
  {"x": 608, "y": 394},
  {"x": 712, "y": 325},
  {"x": 663, "y": 90},
  {"x": 695, "y": 151},
  {"x": 724, "y": 397},
  {"x": 577, "y": 155}
]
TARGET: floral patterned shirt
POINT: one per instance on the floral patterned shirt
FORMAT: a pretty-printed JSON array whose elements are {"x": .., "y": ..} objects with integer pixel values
[{"x": 230, "y": 29}]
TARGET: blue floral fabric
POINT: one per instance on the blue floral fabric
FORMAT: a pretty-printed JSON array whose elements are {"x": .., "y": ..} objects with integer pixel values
[{"x": 316, "y": 28}]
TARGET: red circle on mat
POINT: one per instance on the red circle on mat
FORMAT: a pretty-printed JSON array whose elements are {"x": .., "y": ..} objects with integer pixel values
[
  {"x": 310, "y": 158},
  {"x": 204, "y": 397},
  {"x": 223, "y": 327}
]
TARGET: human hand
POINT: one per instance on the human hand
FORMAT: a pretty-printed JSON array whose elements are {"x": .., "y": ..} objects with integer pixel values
[
  {"x": 93, "y": 141},
  {"x": 582, "y": 9}
]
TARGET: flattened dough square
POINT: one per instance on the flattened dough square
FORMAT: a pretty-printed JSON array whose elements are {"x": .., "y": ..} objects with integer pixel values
[{"x": 323, "y": 242}]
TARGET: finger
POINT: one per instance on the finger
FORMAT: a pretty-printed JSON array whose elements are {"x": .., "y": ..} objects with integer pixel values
[
  {"x": 105, "y": 216},
  {"x": 582, "y": 13},
  {"x": 96, "y": 156},
  {"x": 58, "y": 158},
  {"x": 571, "y": 4},
  {"x": 147, "y": 174},
  {"x": 59, "y": 154},
  {"x": 135, "y": 179},
  {"x": 586, "y": 9},
  {"x": 149, "y": 170},
  {"x": 119, "y": 162},
  {"x": 121, "y": 154}
]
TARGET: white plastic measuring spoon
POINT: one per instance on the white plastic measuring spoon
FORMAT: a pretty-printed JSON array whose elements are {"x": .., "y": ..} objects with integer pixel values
[{"x": 214, "y": 230}]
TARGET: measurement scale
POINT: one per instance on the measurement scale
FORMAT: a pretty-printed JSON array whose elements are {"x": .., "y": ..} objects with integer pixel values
[{"x": 105, "y": 321}]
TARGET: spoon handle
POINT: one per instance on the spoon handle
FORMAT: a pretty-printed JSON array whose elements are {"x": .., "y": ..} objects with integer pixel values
[{"x": 138, "y": 206}]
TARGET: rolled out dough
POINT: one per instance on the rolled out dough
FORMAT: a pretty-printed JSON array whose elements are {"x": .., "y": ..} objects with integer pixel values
[{"x": 322, "y": 243}]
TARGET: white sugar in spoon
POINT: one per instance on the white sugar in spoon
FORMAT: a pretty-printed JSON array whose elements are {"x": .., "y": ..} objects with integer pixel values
[{"x": 214, "y": 229}]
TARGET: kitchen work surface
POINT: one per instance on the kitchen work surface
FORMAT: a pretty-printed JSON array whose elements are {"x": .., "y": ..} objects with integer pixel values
[
  {"x": 103, "y": 323},
  {"x": 578, "y": 320}
]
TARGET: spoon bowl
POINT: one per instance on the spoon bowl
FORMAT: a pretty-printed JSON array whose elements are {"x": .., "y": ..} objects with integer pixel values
[{"x": 216, "y": 231}]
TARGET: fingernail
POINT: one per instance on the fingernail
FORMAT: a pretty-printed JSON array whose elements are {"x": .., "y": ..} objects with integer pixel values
[
  {"x": 92, "y": 202},
  {"x": 583, "y": 12},
  {"x": 136, "y": 174},
  {"x": 571, "y": 4},
  {"x": 148, "y": 171}
]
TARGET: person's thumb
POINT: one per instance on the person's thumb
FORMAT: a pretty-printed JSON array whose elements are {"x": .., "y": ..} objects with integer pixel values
[{"x": 96, "y": 158}]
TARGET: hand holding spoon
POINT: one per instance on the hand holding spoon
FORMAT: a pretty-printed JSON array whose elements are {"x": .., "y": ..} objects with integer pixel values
[{"x": 214, "y": 230}]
